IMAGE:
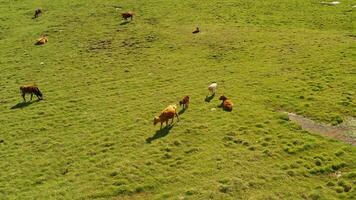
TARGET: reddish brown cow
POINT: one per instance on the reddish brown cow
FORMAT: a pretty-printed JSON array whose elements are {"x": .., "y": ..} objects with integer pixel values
[
  {"x": 196, "y": 30},
  {"x": 127, "y": 15},
  {"x": 38, "y": 12},
  {"x": 226, "y": 104},
  {"x": 31, "y": 89},
  {"x": 184, "y": 102},
  {"x": 42, "y": 40}
]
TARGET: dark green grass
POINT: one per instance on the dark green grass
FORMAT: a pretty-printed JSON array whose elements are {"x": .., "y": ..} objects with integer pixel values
[{"x": 103, "y": 82}]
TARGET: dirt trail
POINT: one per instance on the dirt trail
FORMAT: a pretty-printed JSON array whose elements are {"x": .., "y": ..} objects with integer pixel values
[{"x": 345, "y": 132}]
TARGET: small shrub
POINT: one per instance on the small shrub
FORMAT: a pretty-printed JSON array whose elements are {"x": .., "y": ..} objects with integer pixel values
[
  {"x": 306, "y": 147},
  {"x": 177, "y": 143},
  {"x": 341, "y": 183},
  {"x": 289, "y": 150},
  {"x": 307, "y": 166},
  {"x": 264, "y": 144},
  {"x": 294, "y": 166},
  {"x": 339, "y": 153},
  {"x": 259, "y": 125},
  {"x": 252, "y": 148},
  {"x": 315, "y": 196},
  {"x": 224, "y": 188},
  {"x": 123, "y": 189},
  {"x": 317, "y": 162},
  {"x": 228, "y": 138},
  {"x": 320, "y": 170},
  {"x": 347, "y": 188},
  {"x": 191, "y": 191},
  {"x": 144, "y": 188},
  {"x": 267, "y": 152},
  {"x": 284, "y": 117},
  {"x": 336, "y": 120},
  {"x": 245, "y": 143},
  {"x": 290, "y": 173},
  {"x": 338, "y": 166},
  {"x": 242, "y": 128},
  {"x": 284, "y": 167},
  {"x": 351, "y": 175},
  {"x": 112, "y": 174},
  {"x": 238, "y": 141},
  {"x": 330, "y": 184},
  {"x": 167, "y": 156},
  {"x": 339, "y": 189}
]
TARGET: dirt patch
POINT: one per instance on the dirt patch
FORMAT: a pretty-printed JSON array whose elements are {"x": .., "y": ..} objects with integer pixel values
[{"x": 345, "y": 132}]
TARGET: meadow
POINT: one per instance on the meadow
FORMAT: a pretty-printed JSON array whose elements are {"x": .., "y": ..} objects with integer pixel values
[{"x": 104, "y": 79}]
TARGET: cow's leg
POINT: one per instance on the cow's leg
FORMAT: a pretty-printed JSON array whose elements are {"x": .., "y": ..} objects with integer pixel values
[
  {"x": 23, "y": 96},
  {"x": 31, "y": 96},
  {"x": 177, "y": 117}
]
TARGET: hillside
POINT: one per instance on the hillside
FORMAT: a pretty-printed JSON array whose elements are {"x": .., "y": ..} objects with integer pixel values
[{"x": 104, "y": 79}]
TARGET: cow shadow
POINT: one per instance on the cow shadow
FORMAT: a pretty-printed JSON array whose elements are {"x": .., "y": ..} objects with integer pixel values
[
  {"x": 24, "y": 104},
  {"x": 160, "y": 133},
  {"x": 209, "y": 98},
  {"x": 182, "y": 111},
  {"x": 124, "y": 23}
]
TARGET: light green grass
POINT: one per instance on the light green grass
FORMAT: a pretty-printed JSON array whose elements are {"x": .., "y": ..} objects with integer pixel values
[{"x": 104, "y": 82}]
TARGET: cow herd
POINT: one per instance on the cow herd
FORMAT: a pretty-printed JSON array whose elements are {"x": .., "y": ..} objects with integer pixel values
[
  {"x": 167, "y": 114},
  {"x": 171, "y": 111}
]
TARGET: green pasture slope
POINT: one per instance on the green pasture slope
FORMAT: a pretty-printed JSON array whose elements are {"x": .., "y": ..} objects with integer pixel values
[{"x": 104, "y": 80}]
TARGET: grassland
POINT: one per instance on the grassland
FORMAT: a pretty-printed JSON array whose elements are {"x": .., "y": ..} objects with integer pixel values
[{"x": 104, "y": 80}]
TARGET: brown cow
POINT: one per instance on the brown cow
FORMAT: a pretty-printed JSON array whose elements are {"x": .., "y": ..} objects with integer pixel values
[
  {"x": 31, "y": 89},
  {"x": 184, "y": 102},
  {"x": 42, "y": 40},
  {"x": 169, "y": 113},
  {"x": 196, "y": 30},
  {"x": 127, "y": 15},
  {"x": 226, "y": 104},
  {"x": 38, "y": 12}
]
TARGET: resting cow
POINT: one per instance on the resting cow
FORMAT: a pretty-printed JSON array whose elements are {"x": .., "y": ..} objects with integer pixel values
[
  {"x": 42, "y": 40},
  {"x": 226, "y": 104}
]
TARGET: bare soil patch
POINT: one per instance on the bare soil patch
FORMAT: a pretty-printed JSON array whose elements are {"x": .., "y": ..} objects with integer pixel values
[{"x": 345, "y": 132}]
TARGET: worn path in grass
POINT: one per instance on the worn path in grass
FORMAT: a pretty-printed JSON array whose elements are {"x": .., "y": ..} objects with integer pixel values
[{"x": 344, "y": 132}]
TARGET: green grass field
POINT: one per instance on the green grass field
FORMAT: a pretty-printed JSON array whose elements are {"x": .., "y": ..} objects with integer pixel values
[{"x": 104, "y": 80}]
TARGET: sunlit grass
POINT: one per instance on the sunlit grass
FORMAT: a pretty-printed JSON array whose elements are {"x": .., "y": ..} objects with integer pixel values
[{"x": 103, "y": 82}]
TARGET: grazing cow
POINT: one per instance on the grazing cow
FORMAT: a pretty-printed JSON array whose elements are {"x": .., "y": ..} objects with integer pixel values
[
  {"x": 30, "y": 89},
  {"x": 169, "y": 113},
  {"x": 38, "y": 12},
  {"x": 184, "y": 102},
  {"x": 212, "y": 88},
  {"x": 196, "y": 30},
  {"x": 42, "y": 40},
  {"x": 127, "y": 15},
  {"x": 226, "y": 104}
]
